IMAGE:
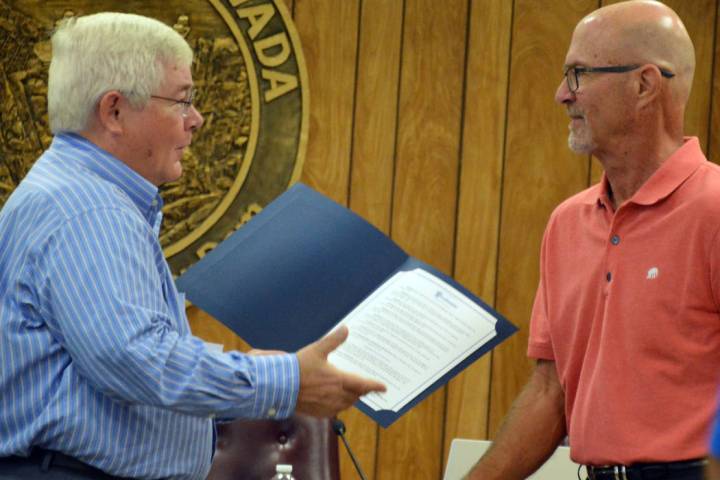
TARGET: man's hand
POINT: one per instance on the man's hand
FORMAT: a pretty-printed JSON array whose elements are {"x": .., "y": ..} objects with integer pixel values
[
  {"x": 531, "y": 431},
  {"x": 325, "y": 390}
]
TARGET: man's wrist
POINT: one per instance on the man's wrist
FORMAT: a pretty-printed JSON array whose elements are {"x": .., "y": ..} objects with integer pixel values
[{"x": 278, "y": 382}]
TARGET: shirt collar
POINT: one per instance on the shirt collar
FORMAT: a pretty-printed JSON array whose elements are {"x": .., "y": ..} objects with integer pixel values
[
  {"x": 666, "y": 179},
  {"x": 143, "y": 194}
]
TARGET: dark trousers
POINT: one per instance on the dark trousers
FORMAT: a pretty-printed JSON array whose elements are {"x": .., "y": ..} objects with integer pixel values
[{"x": 18, "y": 468}]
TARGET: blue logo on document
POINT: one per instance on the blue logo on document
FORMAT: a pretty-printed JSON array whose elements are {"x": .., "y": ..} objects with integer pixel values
[{"x": 439, "y": 295}]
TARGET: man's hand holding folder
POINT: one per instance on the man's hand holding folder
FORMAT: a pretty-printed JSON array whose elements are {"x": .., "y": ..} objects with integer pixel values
[{"x": 325, "y": 390}]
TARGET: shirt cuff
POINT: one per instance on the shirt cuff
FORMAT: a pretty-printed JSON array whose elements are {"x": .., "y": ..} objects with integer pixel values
[
  {"x": 540, "y": 351},
  {"x": 277, "y": 385}
]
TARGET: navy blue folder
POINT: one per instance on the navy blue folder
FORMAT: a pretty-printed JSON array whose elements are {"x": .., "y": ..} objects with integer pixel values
[{"x": 297, "y": 269}]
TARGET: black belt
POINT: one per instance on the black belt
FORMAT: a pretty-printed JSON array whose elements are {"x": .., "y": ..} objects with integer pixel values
[
  {"x": 647, "y": 471},
  {"x": 47, "y": 459}
]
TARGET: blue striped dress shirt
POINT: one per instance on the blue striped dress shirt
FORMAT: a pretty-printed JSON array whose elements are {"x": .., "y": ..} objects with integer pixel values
[{"x": 96, "y": 357}]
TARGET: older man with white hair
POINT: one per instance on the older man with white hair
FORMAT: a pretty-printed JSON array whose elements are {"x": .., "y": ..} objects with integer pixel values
[{"x": 100, "y": 377}]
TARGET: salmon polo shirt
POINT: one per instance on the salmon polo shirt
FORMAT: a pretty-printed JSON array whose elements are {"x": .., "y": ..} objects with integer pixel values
[{"x": 628, "y": 309}]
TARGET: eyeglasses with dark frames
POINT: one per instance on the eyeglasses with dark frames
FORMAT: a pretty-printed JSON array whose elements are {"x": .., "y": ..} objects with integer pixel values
[
  {"x": 573, "y": 80},
  {"x": 185, "y": 103}
]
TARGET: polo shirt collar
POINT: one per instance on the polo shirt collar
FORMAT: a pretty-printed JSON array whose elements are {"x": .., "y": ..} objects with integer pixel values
[
  {"x": 666, "y": 179},
  {"x": 142, "y": 192}
]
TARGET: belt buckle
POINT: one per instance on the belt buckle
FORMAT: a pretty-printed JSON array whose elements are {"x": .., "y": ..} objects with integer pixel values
[{"x": 620, "y": 472}]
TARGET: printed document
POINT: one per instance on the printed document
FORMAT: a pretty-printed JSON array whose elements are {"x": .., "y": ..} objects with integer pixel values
[{"x": 410, "y": 332}]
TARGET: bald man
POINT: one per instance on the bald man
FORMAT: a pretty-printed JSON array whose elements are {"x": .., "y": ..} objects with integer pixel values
[{"x": 625, "y": 326}]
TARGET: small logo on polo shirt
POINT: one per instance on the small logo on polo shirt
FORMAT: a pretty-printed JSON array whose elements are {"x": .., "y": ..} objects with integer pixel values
[{"x": 653, "y": 273}]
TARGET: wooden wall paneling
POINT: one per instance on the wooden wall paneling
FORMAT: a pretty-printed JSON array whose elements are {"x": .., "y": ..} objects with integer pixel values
[
  {"x": 596, "y": 172},
  {"x": 540, "y": 172},
  {"x": 208, "y": 328},
  {"x": 372, "y": 166},
  {"x": 483, "y": 139},
  {"x": 714, "y": 133},
  {"x": 328, "y": 32},
  {"x": 373, "y": 152},
  {"x": 425, "y": 196}
]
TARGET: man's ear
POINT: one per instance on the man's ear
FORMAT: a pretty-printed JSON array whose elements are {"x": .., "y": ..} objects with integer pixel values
[
  {"x": 650, "y": 84},
  {"x": 110, "y": 112}
]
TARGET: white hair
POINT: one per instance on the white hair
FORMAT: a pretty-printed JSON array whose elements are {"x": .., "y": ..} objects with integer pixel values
[{"x": 94, "y": 54}]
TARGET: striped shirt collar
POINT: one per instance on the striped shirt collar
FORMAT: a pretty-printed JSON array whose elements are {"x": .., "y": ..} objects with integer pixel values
[{"x": 145, "y": 195}]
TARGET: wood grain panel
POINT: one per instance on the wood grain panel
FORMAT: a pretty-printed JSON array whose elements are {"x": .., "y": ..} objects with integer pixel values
[
  {"x": 540, "y": 172},
  {"x": 373, "y": 152},
  {"x": 211, "y": 330},
  {"x": 714, "y": 134},
  {"x": 483, "y": 138},
  {"x": 328, "y": 31},
  {"x": 425, "y": 197},
  {"x": 596, "y": 173},
  {"x": 376, "y": 111}
]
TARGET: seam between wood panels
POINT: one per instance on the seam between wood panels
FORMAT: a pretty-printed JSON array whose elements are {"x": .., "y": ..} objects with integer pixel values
[
  {"x": 392, "y": 180},
  {"x": 458, "y": 192},
  {"x": 353, "y": 122},
  {"x": 713, "y": 78},
  {"x": 501, "y": 203}
]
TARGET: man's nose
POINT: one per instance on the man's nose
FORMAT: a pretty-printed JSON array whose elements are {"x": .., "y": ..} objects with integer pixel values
[
  {"x": 563, "y": 93},
  {"x": 195, "y": 118}
]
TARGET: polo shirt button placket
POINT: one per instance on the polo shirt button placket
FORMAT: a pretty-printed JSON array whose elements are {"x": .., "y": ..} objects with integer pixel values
[{"x": 615, "y": 240}]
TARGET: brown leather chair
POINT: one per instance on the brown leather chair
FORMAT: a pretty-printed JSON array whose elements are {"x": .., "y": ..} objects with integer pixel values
[{"x": 250, "y": 449}]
